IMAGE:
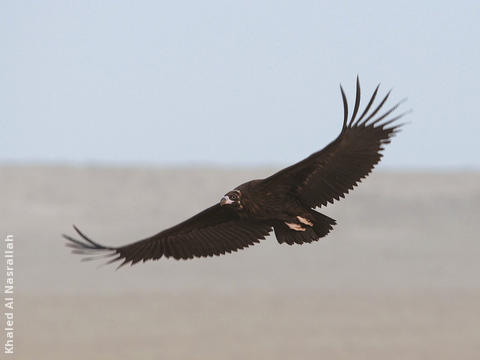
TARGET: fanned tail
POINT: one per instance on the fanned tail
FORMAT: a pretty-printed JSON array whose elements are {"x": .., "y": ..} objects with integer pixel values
[{"x": 322, "y": 225}]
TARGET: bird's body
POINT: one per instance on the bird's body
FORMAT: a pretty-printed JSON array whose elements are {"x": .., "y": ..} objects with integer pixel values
[
  {"x": 284, "y": 202},
  {"x": 260, "y": 203},
  {"x": 279, "y": 209}
]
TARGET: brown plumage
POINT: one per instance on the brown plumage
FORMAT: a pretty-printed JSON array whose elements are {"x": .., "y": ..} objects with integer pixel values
[{"x": 283, "y": 201}]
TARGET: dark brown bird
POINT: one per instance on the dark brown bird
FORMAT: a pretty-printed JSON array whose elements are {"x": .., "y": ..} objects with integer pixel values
[{"x": 284, "y": 201}]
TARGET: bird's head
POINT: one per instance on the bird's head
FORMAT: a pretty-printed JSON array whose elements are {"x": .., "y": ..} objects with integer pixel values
[{"x": 232, "y": 198}]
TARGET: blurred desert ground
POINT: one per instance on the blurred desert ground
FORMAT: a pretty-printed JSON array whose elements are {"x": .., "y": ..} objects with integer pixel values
[{"x": 399, "y": 278}]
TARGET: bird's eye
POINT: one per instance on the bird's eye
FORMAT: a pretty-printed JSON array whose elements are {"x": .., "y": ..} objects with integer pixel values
[{"x": 233, "y": 197}]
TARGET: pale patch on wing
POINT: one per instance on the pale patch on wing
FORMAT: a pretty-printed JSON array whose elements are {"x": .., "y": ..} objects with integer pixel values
[
  {"x": 296, "y": 227},
  {"x": 304, "y": 221}
]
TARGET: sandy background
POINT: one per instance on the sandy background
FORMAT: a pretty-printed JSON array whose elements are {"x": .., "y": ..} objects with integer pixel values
[{"x": 399, "y": 278}]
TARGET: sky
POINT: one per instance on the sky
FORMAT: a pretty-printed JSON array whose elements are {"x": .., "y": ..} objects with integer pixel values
[{"x": 232, "y": 83}]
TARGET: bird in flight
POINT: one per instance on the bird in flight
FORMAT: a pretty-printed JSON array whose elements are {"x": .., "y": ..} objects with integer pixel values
[{"x": 284, "y": 202}]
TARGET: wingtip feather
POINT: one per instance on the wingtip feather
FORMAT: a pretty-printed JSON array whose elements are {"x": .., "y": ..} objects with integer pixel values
[
  {"x": 357, "y": 102},
  {"x": 345, "y": 107}
]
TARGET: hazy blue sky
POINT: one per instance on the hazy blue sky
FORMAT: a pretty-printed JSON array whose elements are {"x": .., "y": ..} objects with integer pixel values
[{"x": 232, "y": 82}]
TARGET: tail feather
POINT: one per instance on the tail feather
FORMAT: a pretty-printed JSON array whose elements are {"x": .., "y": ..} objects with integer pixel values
[{"x": 322, "y": 225}]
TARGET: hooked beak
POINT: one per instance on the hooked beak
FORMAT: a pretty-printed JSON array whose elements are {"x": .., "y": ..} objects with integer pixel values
[{"x": 225, "y": 201}]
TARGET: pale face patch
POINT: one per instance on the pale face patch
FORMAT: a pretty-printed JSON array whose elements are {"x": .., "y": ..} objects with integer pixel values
[
  {"x": 304, "y": 221},
  {"x": 226, "y": 201},
  {"x": 296, "y": 227},
  {"x": 232, "y": 198}
]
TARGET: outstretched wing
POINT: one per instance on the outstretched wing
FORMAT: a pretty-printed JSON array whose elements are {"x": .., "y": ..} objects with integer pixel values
[
  {"x": 332, "y": 172},
  {"x": 214, "y": 231}
]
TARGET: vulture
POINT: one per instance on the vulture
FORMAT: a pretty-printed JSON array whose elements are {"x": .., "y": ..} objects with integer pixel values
[{"x": 284, "y": 202}]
